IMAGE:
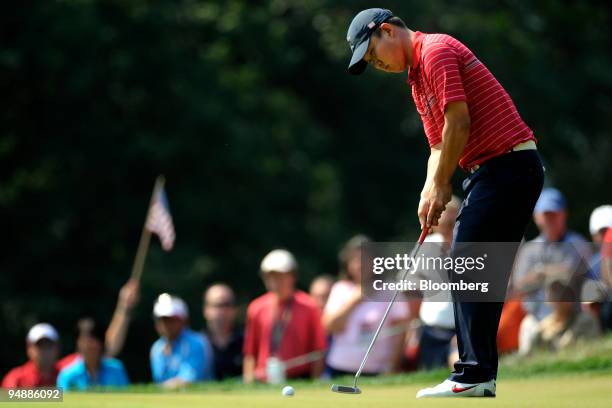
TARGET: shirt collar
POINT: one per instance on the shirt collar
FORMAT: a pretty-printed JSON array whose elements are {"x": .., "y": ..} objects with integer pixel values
[
  {"x": 33, "y": 370},
  {"x": 565, "y": 237},
  {"x": 176, "y": 341},
  {"x": 417, "y": 43}
]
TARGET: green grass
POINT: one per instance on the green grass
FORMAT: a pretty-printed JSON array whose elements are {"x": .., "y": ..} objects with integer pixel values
[
  {"x": 580, "y": 376},
  {"x": 586, "y": 391}
]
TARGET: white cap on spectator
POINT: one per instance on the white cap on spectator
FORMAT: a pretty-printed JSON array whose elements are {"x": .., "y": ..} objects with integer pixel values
[
  {"x": 601, "y": 217},
  {"x": 42, "y": 331},
  {"x": 170, "y": 306},
  {"x": 279, "y": 260}
]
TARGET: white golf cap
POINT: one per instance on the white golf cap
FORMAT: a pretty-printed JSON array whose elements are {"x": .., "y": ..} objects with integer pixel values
[
  {"x": 42, "y": 331},
  {"x": 601, "y": 217},
  {"x": 170, "y": 306},
  {"x": 279, "y": 260}
]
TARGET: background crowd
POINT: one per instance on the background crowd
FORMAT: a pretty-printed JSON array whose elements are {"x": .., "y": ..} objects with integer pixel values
[{"x": 560, "y": 294}]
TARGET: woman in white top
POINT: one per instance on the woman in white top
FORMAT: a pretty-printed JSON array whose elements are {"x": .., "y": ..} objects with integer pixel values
[{"x": 351, "y": 321}]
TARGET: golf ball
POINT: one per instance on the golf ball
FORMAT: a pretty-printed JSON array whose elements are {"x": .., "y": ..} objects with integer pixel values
[{"x": 288, "y": 391}]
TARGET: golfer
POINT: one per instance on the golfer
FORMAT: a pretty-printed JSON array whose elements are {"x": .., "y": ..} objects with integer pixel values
[{"x": 470, "y": 121}]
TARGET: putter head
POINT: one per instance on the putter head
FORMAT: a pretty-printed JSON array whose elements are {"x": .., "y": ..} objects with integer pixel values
[{"x": 345, "y": 389}]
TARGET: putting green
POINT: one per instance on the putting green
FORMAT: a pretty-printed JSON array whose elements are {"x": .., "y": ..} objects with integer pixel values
[{"x": 582, "y": 390}]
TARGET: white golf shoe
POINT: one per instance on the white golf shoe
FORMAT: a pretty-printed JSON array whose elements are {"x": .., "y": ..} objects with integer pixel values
[{"x": 454, "y": 389}]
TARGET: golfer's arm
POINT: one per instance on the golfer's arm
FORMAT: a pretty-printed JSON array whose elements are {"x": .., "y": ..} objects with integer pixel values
[
  {"x": 455, "y": 135},
  {"x": 248, "y": 369},
  {"x": 432, "y": 166}
]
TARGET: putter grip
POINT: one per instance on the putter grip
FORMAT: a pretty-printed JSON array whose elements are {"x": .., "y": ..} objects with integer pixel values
[{"x": 423, "y": 235}]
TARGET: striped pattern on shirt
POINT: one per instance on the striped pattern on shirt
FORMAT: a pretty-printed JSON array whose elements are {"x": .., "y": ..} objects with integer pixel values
[{"x": 443, "y": 71}]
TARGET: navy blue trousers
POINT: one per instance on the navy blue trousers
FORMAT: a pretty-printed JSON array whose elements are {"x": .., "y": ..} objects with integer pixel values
[{"x": 499, "y": 203}]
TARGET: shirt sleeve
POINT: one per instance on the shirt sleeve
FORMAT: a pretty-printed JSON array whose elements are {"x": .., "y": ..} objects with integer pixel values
[
  {"x": 122, "y": 377},
  {"x": 155, "y": 366},
  {"x": 209, "y": 360},
  {"x": 400, "y": 310},
  {"x": 10, "y": 379},
  {"x": 192, "y": 365},
  {"x": 441, "y": 67},
  {"x": 337, "y": 297},
  {"x": 249, "y": 347},
  {"x": 524, "y": 262},
  {"x": 63, "y": 380},
  {"x": 606, "y": 247},
  {"x": 319, "y": 339}
]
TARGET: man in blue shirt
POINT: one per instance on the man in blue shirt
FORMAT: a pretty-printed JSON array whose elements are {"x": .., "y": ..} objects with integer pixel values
[
  {"x": 180, "y": 356},
  {"x": 555, "y": 250},
  {"x": 92, "y": 369}
]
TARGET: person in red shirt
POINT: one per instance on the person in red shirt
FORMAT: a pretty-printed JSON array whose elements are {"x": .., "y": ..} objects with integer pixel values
[
  {"x": 470, "y": 122},
  {"x": 42, "y": 347},
  {"x": 606, "y": 257},
  {"x": 605, "y": 313},
  {"x": 284, "y": 335}
]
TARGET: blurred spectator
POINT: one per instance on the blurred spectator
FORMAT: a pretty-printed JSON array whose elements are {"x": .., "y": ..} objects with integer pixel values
[
  {"x": 599, "y": 222},
  {"x": 180, "y": 356},
  {"x": 352, "y": 321},
  {"x": 565, "y": 325},
  {"x": 438, "y": 319},
  {"x": 320, "y": 288},
  {"x": 605, "y": 314},
  {"x": 118, "y": 327},
  {"x": 226, "y": 339},
  {"x": 67, "y": 360},
  {"x": 42, "y": 348},
  {"x": 92, "y": 369},
  {"x": 556, "y": 248},
  {"x": 595, "y": 292},
  {"x": 508, "y": 331},
  {"x": 282, "y": 325}
]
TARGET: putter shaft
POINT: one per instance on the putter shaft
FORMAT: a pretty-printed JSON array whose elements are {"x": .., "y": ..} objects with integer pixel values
[{"x": 384, "y": 318}]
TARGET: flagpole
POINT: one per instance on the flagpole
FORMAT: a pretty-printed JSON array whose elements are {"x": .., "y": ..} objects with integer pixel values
[{"x": 145, "y": 236}]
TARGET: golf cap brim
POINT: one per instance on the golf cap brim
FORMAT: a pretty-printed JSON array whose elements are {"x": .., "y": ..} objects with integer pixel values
[{"x": 358, "y": 64}]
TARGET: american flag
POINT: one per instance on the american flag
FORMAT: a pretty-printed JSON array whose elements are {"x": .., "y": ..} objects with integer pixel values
[{"x": 159, "y": 220}]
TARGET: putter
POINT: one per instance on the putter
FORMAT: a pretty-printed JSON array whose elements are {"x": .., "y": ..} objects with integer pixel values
[{"x": 354, "y": 389}]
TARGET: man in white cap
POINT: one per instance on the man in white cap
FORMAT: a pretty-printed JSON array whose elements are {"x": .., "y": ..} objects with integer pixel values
[
  {"x": 42, "y": 347},
  {"x": 180, "y": 356},
  {"x": 282, "y": 324}
]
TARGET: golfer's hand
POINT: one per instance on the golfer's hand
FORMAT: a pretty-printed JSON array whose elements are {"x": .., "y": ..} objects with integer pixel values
[
  {"x": 423, "y": 209},
  {"x": 438, "y": 196}
]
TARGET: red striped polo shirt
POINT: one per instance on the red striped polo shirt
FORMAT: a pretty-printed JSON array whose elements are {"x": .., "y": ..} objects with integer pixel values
[{"x": 444, "y": 70}]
